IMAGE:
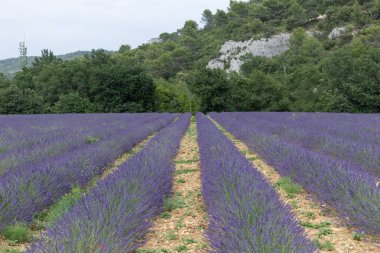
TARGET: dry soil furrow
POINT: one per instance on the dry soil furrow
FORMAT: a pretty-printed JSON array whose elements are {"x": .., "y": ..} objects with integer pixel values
[{"x": 181, "y": 227}]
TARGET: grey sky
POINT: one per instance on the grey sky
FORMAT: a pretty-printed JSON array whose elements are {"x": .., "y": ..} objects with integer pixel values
[{"x": 69, "y": 25}]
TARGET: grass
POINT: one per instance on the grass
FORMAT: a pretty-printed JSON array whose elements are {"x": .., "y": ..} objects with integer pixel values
[
  {"x": 18, "y": 232},
  {"x": 190, "y": 161},
  {"x": 202, "y": 245},
  {"x": 2, "y": 149},
  {"x": 182, "y": 248},
  {"x": 358, "y": 236},
  {"x": 180, "y": 225},
  {"x": 310, "y": 215},
  {"x": 61, "y": 207},
  {"x": 188, "y": 241},
  {"x": 294, "y": 204},
  {"x": 165, "y": 215},
  {"x": 324, "y": 231},
  {"x": 8, "y": 250},
  {"x": 92, "y": 139},
  {"x": 185, "y": 171},
  {"x": 181, "y": 181},
  {"x": 163, "y": 250},
  {"x": 323, "y": 224},
  {"x": 288, "y": 186},
  {"x": 172, "y": 203},
  {"x": 171, "y": 236},
  {"x": 324, "y": 246}
]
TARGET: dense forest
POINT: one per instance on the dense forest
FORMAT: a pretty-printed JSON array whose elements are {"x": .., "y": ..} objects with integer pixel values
[{"x": 317, "y": 73}]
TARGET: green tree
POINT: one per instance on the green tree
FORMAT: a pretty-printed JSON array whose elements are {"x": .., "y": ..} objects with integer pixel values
[
  {"x": 353, "y": 73},
  {"x": 207, "y": 19},
  {"x": 72, "y": 103},
  {"x": 122, "y": 87},
  {"x": 212, "y": 87},
  {"x": 265, "y": 93},
  {"x": 297, "y": 15},
  {"x": 357, "y": 14},
  {"x": 14, "y": 100}
]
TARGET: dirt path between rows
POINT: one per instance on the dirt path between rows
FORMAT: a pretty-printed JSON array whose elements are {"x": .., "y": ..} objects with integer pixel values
[
  {"x": 321, "y": 223},
  {"x": 7, "y": 246},
  {"x": 181, "y": 227}
]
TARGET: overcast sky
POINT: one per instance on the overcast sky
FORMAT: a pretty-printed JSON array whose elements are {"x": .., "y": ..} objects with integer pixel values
[{"x": 66, "y": 26}]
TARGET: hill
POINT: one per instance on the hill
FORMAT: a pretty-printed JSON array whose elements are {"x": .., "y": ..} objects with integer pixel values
[
  {"x": 12, "y": 65},
  {"x": 259, "y": 55}
]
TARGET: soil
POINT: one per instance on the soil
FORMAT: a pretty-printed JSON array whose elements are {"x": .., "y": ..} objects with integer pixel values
[{"x": 183, "y": 230}]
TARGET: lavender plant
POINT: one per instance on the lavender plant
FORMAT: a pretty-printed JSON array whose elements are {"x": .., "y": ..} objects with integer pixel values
[
  {"x": 344, "y": 186},
  {"x": 339, "y": 139},
  {"x": 246, "y": 212},
  {"x": 33, "y": 188},
  {"x": 114, "y": 216}
]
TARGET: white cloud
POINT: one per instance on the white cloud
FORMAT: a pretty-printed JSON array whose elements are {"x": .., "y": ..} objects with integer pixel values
[{"x": 69, "y": 25}]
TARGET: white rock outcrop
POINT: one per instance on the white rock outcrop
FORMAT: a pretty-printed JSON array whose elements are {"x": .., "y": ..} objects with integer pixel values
[
  {"x": 231, "y": 51},
  {"x": 337, "y": 32}
]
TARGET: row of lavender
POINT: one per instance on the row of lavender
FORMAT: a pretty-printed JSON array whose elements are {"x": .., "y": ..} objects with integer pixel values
[
  {"x": 353, "y": 138},
  {"x": 341, "y": 184},
  {"x": 246, "y": 212},
  {"x": 114, "y": 216},
  {"x": 31, "y": 188},
  {"x": 27, "y": 140}
]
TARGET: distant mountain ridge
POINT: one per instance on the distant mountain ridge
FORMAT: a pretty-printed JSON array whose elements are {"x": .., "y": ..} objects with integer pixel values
[{"x": 12, "y": 65}]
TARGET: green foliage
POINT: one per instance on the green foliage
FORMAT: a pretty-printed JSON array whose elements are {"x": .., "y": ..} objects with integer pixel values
[
  {"x": 185, "y": 171},
  {"x": 353, "y": 75},
  {"x": 327, "y": 245},
  {"x": 175, "y": 97},
  {"x": 297, "y": 15},
  {"x": 173, "y": 203},
  {"x": 63, "y": 206},
  {"x": 212, "y": 87},
  {"x": 188, "y": 241},
  {"x": 358, "y": 236},
  {"x": 92, "y": 139},
  {"x": 172, "y": 235},
  {"x": 165, "y": 215},
  {"x": 95, "y": 83},
  {"x": 288, "y": 186},
  {"x": 18, "y": 232},
  {"x": 182, "y": 248},
  {"x": 323, "y": 224},
  {"x": 72, "y": 103},
  {"x": 316, "y": 74},
  {"x": 324, "y": 231},
  {"x": 8, "y": 250},
  {"x": 162, "y": 250},
  {"x": 181, "y": 181}
]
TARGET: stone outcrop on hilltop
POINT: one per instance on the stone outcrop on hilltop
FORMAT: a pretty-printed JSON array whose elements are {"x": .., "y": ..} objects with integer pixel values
[{"x": 231, "y": 51}]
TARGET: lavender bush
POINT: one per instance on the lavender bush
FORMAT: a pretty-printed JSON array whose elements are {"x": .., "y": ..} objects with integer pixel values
[
  {"x": 343, "y": 138},
  {"x": 346, "y": 187},
  {"x": 114, "y": 216},
  {"x": 246, "y": 212},
  {"x": 34, "y": 187},
  {"x": 34, "y": 142}
]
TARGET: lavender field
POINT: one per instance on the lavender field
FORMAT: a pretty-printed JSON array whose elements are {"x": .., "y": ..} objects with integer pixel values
[{"x": 74, "y": 168}]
